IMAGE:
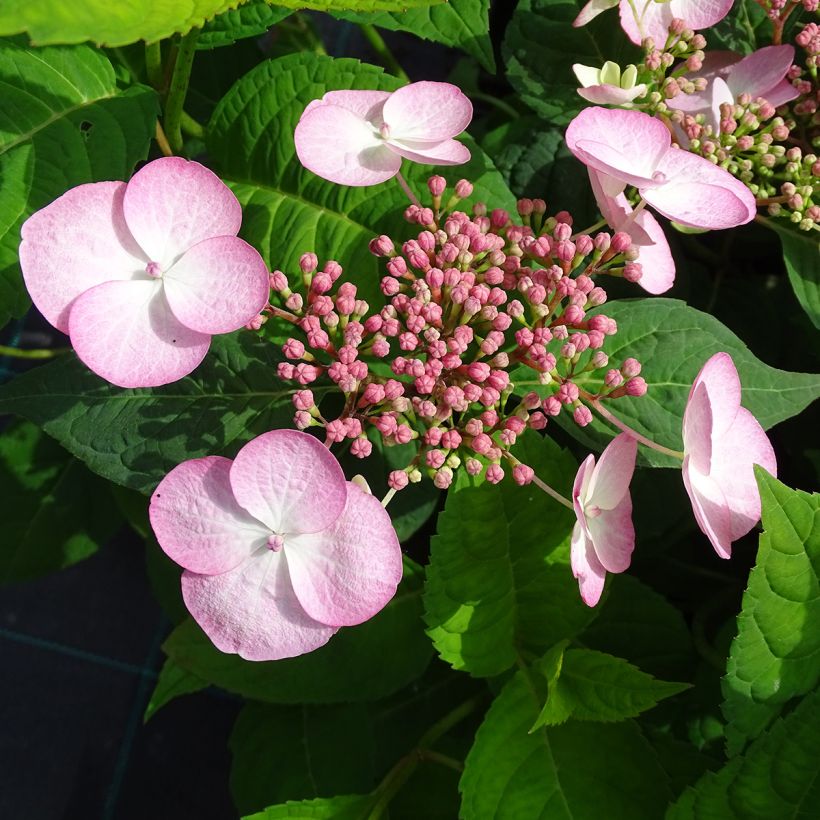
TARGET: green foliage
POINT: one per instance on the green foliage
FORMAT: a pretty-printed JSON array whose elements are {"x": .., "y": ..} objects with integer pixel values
[
  {"x": 369, "y": 6},
  {"x": 538, "y": 41},
  {"x": 776, "y": 654},
  {"x": 673, "y": 341},
  {"x": 498, "y": 580},
  {"x": 249, "y": 20},
  {"x": 778, "y": 776},
  {"x": 801, "y": 256},
  {"x": 173, "y": 682},
  {"x": 740, "y": 30},
  {"x": 134, "y": 437},
  {"x": 346, "y": 807},
  {"x": 289, "y": 210},
  {"x": 360, "y": 663},
  {"x": 462, "y": 24},
  {"x": 63, "y": 121},
  {"x": 589, "y": 685},
  {"x": 54, "y": 511},
  {"x": 577, "y": 771}
]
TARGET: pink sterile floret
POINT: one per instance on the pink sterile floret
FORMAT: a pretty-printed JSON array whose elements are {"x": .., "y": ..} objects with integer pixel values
[
  {"x": 603, "y": 538},
  {"x": 279, "y": 550},
  {"x": 632, "y": 148},
  {"x": 721, "y": 443},
  {"x": 360, "y": 137},
  {"x": 655, "y": 17},
  {"x": 141, "y": 275}
]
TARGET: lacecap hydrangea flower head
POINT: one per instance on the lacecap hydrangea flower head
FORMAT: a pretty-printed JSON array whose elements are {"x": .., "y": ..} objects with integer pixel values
[
  {"x": 141, "y": 275},
  {"x": 279, "y": 550}
]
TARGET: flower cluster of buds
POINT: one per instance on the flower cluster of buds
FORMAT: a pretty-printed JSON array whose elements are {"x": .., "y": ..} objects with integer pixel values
[{"x": 475, "y": 303}]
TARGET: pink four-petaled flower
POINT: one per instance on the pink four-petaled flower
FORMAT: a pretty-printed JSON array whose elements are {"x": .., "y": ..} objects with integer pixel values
[
  {"x": 722, "y": 441},
  {"x": 359, "y": 137},
  {"x": 141, "y": 275},
  {"x": 603, "y": 538},
  {"x": 279, "y": 550}
]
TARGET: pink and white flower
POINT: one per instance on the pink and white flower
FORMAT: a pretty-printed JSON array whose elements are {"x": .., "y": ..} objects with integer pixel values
[
  {"x": 721, "y": 443},
  {"x": 632, "y": 148},
  {"x": 141, "y": 275},
  {"x": 603, "y": 538},
  {"x": 279, "y": 550},
  {"x": 761, "y": 74},
  {"x": 360, "y": 137},
  {"x": 609, "y": 85}
]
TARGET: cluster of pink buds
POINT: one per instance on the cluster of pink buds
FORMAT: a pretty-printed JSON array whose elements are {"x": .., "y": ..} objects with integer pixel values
[{"x": 474, "y": 303}]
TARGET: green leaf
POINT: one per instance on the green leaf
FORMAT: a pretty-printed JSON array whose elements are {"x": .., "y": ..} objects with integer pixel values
[
  {"x": 592, "y": 685},
  {"x": 54, "y": 511},
  {"x": 578, "y": 771},
  {"x": 134, "y": 437},
  {"x": 801, "y": 255},
  {"x": 173, "y": 682},
  {"x": 776, "y": 654},
  {"x": 741, "y": 29},
  {"x": 778, "y": 776},
  {"x": 331, "y": 6},
  {"x": 463, "y": 24},
  {"x": 359, "y": 663},
  {"x": 537, "y": 42},
  {"x": 289, "y": 210},
  {"x": 498, "y": 579},
  {"x": 251, "y": 19},
  {"x": 63, "y": 122},
  {"x": 673, "y": 341},
  {"x": 347, "y": 807}
]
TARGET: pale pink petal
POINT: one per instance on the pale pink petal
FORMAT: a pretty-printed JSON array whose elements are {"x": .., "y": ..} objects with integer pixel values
[
  {"x": 781, "y": 93},
  {"x": 427, "y": 111},
  {"x": 449, "y": 152},
  {"x": 197, "y": 521},
  {"x": 761, "y": 71},
  {"x": 126, "y": 333},
  {"x": 252, "y": 610},
  {"x": 605, "y": 94},
  {"x": 721, "y": 94},
  {"x": 741, "y": 447},
  {"x": 580, "y": 486},
  {"x": 656, "y": 258},
  {"x": 78, "y": 241},
  {"x": 586, "y": 567},
  {"x": 172, "y": 203},
  {"x": 721, "y": 381},
  {"x": 627, "y": 145},
  {"x": 341, "y": 146},
  {"x": 609, "y": 483},
  {"x": 700, "y": 194},
  {"x": 290, "y": 481},
  {"x": 591, "y": 10},
  {"x": 613, "y": 535},
  {"x": 710, "y": 508},
  {"x": 345, "y": 574},
  {"x": 697, "y": 428},
  {"x": 364, "y": 103},
  {"x": 656, "y": 17},
  {"x": 218, "y": 285}
]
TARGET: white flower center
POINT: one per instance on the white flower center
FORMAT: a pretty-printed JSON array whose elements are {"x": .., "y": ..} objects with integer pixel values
[{"x": 275, "y": 542}]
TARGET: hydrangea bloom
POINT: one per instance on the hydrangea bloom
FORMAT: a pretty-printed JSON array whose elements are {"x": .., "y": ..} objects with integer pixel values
[
  {"x": 141, "y": 275},
  {"x": 632, "y": 148},
  {"x": 609, "y": 85},
  {"x": 603, "y": 538},
  {"x": 360, "y": 137},
  {"x": 761, "y": 74},
  {"x": 279, "y": 550},
  {"x": 721, "y": 443}
]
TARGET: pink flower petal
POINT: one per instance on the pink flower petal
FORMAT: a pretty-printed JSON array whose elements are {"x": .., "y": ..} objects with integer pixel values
[
  {"x": 610, "y": 479},
  {"x": 613, "y": 535},
  {"x": 252, "y": 610},
  {"x": 427, "y": 111},
  {"x": 172, "y": 203},
  {"x": 656, "y": 17},
  {"x": 364, "y": 103},
  {"x": 586, "y": 567},
  {"x": 656, "y": 259},
  {"x": 126, "y": 333},
  {"x": 341, "y": 146},
  {"x": 605, "y": 94},
  {"x": 218, "y": 285},
  {"x": 627, "y": 145},
  {"x": 697, "y": 427},
  {"x": 78, "y": 241},
  {"x": 710, "y": 508},
  {"x": 700, "y": 194},
  {"x": 719, "y": 378},
  {"x": 781, "y": 93},
  {"x": 449, "y": 152},
  {"x": 761, "y": 71},
  {"x": 197, "y": 521},
  {"x": 289, "y": 481},
  {"x": 345, "y": 574},
  {"x": 591, "y": 10}
]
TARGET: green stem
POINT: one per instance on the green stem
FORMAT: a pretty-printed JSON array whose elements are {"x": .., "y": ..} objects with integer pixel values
[
  {"x": 634, "y": 433},
  {"x": 178, "y": 90},
  {"x": 153, "y": 64},
  {"x": 17, "y": 353},
  {"x": 494, "y": 101},
  {"x": 191, "y": 127},
  {"x": 383, "y": 52},
  {"x": 444, "y": 760}
]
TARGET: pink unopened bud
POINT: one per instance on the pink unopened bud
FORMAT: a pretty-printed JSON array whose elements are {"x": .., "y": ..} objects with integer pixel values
[
  {"x": 621, "y": 242},
  {"x": 397, "y": 480},
  {"x": 495, "y": 473},
  {"x": 435, "y": 458},
  {"x": 361, "y": 447},
  {"x": 436, "y": 185},
  {"x": 306, "y": 373},
  {"x": 582, "y": 415},
  {"x": 278, "y": 281},
  {"x": 336, "y": 431},
  {"x": 451, "y": 440},
  {"x": 464, "y": 188},
  {"x": 537, "y": 420},
  {"x": 481, "y": 443},
  {"x": 303, "y": 400},
  {"x": 473, "y": 466},
  {"x": 636, "y": 386},
  {"x": 567, "y": 393},
  {"x": 302, "y": 420},
  {"x": 522, "y": 474},
  {"x": 631, "y": 367},
  {"x": 294, "y": 302},
  {"x": 308, "y": 262}
]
